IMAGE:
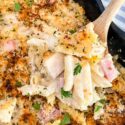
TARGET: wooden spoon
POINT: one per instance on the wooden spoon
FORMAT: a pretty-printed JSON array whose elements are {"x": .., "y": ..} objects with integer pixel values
[{"x": 101, "y": 24}]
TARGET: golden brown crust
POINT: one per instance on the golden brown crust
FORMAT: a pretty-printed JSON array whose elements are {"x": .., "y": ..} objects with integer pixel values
[
  {"x": 77, "y": 117},
  {"x": 90, "y": 120},
  {"x": 119, "y": 85}
]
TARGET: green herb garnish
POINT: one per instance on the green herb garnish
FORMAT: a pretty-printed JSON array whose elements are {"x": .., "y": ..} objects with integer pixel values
[
  {"x": 36, "y": 106},
  {"x": 102, "y": 101},
  {"x": 65, "y": 94},
  {"x": 17, "y": 7},
  {"x": 77, "y": 69},
  {"x": 66, "y": 119},
  {"x": 72, "y": 31},
  {"x": 29, "y": 2},
  {"x": 28, "y": 94},
  {"x": 97, "y": 108},
  {"x": 18, "y": 84}
]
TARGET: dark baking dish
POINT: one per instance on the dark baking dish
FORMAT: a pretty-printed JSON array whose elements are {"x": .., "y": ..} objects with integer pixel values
[{"x": 116, "y": 43}]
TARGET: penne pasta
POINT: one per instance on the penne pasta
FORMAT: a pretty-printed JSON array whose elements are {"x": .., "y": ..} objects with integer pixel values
[{"x": 68, "y": 72}]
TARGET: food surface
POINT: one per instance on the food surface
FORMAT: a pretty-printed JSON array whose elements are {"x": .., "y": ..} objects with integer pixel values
[{"x": 54, "y": 69}]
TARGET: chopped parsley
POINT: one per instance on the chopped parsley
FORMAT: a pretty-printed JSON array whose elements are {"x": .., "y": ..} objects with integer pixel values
[
  {"x": 66, "y": 119},
  {"x": 28, "y": 94},
  {"x": 102, "y": 101},
  {"x": 77, "y": 69},
  {"x": 97, "y": 108},
  {"x": 18, "y": 84},
  {"x": 29, "y": 2},
  {"x": 65, "y": 94},
  {"x": 36, "y": 105},
  {"x": 72, "y": 31},
  {"x": 17, "y": 7}
]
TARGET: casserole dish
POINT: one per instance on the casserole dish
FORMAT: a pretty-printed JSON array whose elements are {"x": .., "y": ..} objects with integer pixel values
[{"x": 54, "y": 69}]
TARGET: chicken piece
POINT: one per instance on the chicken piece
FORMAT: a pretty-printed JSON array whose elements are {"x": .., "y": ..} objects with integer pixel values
[
  {"x": 36, "y": 42},
  {"x": 54, "y": 64},
  {"x": 100, "y": 81},
  {"x": 68, "y": 72},
  {"x": 98, "y": 77},
  {"x": 97, "y": 69},
  {"x": 7, "y": 109},
  {"x": 35, "y": 53},
  {"x": 10, "y": 18},
  {"x": 46, "y": 39},
  {"x": 108, "y": 68},
  {"x": 38, "y": 89}
]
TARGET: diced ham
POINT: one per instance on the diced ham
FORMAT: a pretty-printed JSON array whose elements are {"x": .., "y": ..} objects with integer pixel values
[
  {"x": 108, "y": 68},
  {"x": 54, "y": 64},
  {"x": 46, "y": 115},
  {"x": 10, "y": 46}
]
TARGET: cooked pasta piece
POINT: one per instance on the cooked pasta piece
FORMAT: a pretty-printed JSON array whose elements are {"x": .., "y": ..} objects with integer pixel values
[{"x": 68, "y": 72}]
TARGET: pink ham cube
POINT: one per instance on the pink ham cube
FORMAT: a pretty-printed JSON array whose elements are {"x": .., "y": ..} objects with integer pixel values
[
  {"x": 108, "y": 68},
  {"x": 10, "y": 46}
]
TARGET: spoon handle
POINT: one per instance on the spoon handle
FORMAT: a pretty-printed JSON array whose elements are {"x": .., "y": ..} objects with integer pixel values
[{"x": 104, "y": 21}]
